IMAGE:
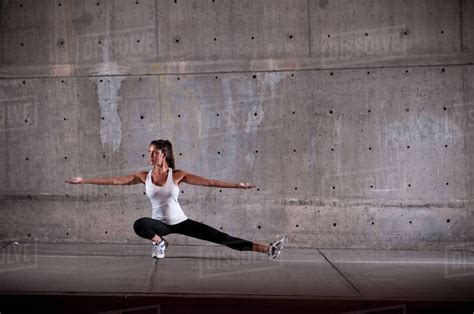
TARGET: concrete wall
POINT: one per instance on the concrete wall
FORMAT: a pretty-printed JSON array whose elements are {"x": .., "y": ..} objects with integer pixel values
[{"x": 355, "y": 119}]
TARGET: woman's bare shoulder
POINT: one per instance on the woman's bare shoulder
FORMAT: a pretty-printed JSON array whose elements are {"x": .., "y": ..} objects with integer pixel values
[
  {"x": 142, "y": 175},
  {"x": 178, "y": 175}
]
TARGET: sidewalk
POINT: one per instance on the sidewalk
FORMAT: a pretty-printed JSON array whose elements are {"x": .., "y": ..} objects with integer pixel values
[{"x": 45, "y": 269}]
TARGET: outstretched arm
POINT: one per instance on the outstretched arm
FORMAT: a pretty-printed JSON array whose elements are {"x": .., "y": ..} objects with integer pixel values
[
  {"x": 122, "y": 180},
  {"x": 197, "y": 180}
]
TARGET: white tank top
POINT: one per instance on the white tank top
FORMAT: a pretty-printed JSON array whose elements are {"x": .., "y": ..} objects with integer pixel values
[{"x": 164, "y": 200}]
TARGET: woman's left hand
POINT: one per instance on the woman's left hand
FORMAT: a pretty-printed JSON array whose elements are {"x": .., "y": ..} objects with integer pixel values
[{"x": 247, "y": 185}]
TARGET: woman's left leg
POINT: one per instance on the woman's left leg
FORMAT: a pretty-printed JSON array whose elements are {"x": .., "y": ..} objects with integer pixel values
[{"x": 201, "y": 231}]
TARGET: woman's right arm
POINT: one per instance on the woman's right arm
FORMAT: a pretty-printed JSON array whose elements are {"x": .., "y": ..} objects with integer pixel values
[{"x": 135, "y": 178}]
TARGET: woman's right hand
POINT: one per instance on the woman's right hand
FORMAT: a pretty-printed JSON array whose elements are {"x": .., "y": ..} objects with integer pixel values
[{"x": 76, "y": 180}]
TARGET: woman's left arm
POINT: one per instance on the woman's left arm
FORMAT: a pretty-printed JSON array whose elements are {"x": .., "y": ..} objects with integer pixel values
[{"x": 197, "y": 180}]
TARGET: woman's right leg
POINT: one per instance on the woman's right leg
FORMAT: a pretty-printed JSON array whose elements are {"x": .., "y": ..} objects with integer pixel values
[{"x": 151, "y": 229}]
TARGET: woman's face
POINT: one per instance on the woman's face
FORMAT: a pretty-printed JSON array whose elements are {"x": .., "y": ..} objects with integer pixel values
[{"x": 155, "y": 155}]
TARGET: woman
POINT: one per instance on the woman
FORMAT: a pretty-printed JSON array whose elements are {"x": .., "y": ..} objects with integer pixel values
[{"x": 161, "y": 185}]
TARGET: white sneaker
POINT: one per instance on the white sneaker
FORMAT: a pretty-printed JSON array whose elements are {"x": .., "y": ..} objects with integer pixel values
[
  {"x": 158, "y": 250},
  {"x": 275, "y": 248}
]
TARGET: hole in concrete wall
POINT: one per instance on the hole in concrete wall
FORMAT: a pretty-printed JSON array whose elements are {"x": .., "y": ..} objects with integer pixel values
[
  {"x": 103, "y": 156},
  {"x": 29, "y": 234},
  {"x": 253, "y": 37},
  {"x": 407, "y": 109},
  {"x": 372, "y": 223},
  {"x": 254, "y": 76},
  {"x": 409, "y": 185},
  {"x": 21, "y": 5},
  {"x": 106, "y": 232},
  {"x": 444, "y": 108},
  {"x": 65, "y": 119},
  {"x": 294, "y": 150},
  {"x": 334, "y": 224},
  {"x": 296, "y": 188},
  {"x": 178, "y": 78},
  {"x": 294, "y": 112},
  {"x": 67, "y": 233},
  {"x": 446, "y": 145},
  {"x": 370, "y": 148},
  {"x": 138, "y": 40},
  {"x": 144, "y": 193},
  {"x": 368, "y": 111},
  {"x": 102, "y": 118},
  {"x": 258, "y": 189},
  {"x": 259, "y": 227},
  {"x": 256, "y": 152},
  {"x": 220, "y": 228},
  {"x": 67, "y": 195},
  {"x": 215, "y": 39},
  {"x": 217, "y": 114},
  {"x": 366, "y": 34},
  {"x": 330, "y": 111},
  {"x": 333, "y": 187},
  {"x": 220, "y": 191},
  {"x": 22, "y": 44},
  {"x": 59, "y": 4},
  {"x": 27, "y": 158},
  {"x": 331, "y": 73},
  {"x": 405, "y": 33},
  {"x": 332, "y": 149},
  {"x": 297, "y": 226},
  {"x": 410, "y": 222},
  {"x": 329, "y": 36},
  {"x": 136, "y": 2},
  {"x": 26, "y": 120},
  {"x": 255, "y": 114},
  {"x": 179, "y": 116},
  {"x": 442, "y": 70},
  {"x": 24, "y": 82},
  {"x": 290, "y": 36},
  {"x": 139, "y": 78},
  {"x": 442, "y": 32},
  {"x": 182, "y": 191},
  {"x": 371, "y": 186},
  {"x": 65, "y": 157},
  {"x": 98, "y": 3},
  {"x": 101, "y": 80},
  {"x": 176, "y": 40},
  {"x": 175, "y": 1},
  {"x": 181, "y": 154},
  {"x": 141, "y": 117},
  {"x": 216, "y": 77},
  {"x": 448, "y": 220},
  {"x": 99, "y": 42},
  {"x": 368, "y": 72},
  {"x": 218, "y": 153},
  {"x": 292, "y": 75},
  {"x": 447, "y": 183},
  {"x": 408, "y": 147},
  {"x": 143, "y": 155},
  {"x": 62, "y": 81},
  {"x": 406, "y": 71}
]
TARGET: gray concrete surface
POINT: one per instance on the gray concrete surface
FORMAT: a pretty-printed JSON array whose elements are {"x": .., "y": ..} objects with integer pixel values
[
  {"x": 354, "y": 119},
  {"x": 219, "y": 271}
]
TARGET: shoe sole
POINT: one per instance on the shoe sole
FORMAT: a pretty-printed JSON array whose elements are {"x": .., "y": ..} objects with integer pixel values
[{"x": 281, "y": 243}]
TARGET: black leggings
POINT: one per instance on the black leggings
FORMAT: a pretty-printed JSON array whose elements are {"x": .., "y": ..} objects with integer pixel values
[{"x": 148, "y": 227}]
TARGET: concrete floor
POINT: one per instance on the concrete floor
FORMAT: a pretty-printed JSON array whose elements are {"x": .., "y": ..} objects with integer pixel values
[{"x": 214, "y": 271}]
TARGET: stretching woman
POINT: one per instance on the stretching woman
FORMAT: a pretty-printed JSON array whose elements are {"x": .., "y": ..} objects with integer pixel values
[{"x": 161, "y": 185}]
